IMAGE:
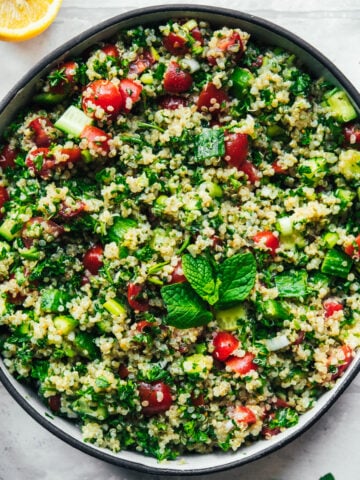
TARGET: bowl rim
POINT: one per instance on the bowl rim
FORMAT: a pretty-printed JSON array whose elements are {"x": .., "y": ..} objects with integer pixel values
[{"x": 6, "y": 378}]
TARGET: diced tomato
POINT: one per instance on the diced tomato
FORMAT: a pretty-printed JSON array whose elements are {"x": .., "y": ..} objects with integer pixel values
[
  {"x": 236, "y": 149},
  {"x": 123, "y": 371},
  {"x": 55, "y": 402},
  {"x": 258, "y": 61},
  {"x": 267, "y": 239},
  {"x": 93, "y": 259},
  {"x": 7, "y": 157},
  {"x": 43, "y": 129},
  {"x": 353, "y": 249},
  {"x": 73, "y": 154},
  {"x": 175, "y": 44},
  {"x": 300, "y": 338},
  {"x": 342, "y": 365},
  {"x": 278, "y": 168},
  {"x": 351, "y": 134},
  {"x": 131, "y": 92},
  {"x": 143, "y": 324},
  {"x": 4, "y": 196},
  {"x": 105, "y": 95},
  {"x": 142, "y": 63},
  {"x": 172, "y": 102},
  {"x": 198, "y": 401},
  {"x": 177, "y": 80},
  {"x": 177, "y": 275},
  {"x": 68, "y": 71},
  {"x": 331, "y": 306},
  {"x": 135, "y": 300},
  {"x": 268, "y": 432},
  {"x": 110, "y": 50},
  {"x": 40, "y": 161},
  {"x": 280, "y": 403},
  {"x": 70, "y": 211},
  {"x": 242, "y": 365},
  {"x": 242, "y": 415},
  {"x": 155, "y": 397},
  {"x": 231, "y": 44},
  {"x": 225, "y": 343},
  {"x": 84, "y": 280},
  {"x": 197, "y": 35},
  {"x": 98, "y": 140},
  {"x": 36, "y": 227},
  {"x": 212, "y": 98},
  {"x": 250, "y": 171}
]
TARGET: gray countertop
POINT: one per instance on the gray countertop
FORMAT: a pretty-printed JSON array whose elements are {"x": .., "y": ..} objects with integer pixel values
[{"x": 28, "y": 452}]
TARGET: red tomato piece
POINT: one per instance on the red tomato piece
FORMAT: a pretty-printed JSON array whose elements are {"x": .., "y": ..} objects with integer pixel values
[
  {"x": 212, "y": 98},
  {"x": 197, "y": 35},
  {"x": 4, "y": 196},
  {"x": 331, "y": 306},
  {"x": 353, "y": 249},
  {"x": 231, "y": 44},
  {"x": 105, "y": 95},
  {"x": 40, "y": 161},
  {"x": 342, "y": 365},
  {"x": 55, "y": 402},
  {"x": 36, "y": 227},
  {"x": 177, "y": 80},
  {"x": 175, "y": 44},
  {"x": 73, "y": 154},
  {"x": 280, "y": 403},
  {"x": 250, "y": 171},
  {"x": 131, "y": 92},
  {"x": 198, "y": 401},
  {"x": 225, "y": 343},
  {"x": 242, "y": 365},
  {"x": 300, "y": 338},
  {"x": 267, "y": 239},
  {"x": 243, "y": 415},
  {"x": 43, "y": 129},
  {"x": 98, "y": 140},
  {"x": 172, "y": 102},
  {"x": 236, "y": 149},
  {"x": 278, "y": 168},
  {"x": 110, "y": 50},
  {"x": 135, "y": 300},
  {"x": 351, "y": 134},
  {"x": 155, "y": 397},
  {"x": 142, "y": 63},
  {"x": 143, "y": 324},
  {"x": 177, "y": 275},
  {"x": 7, "y": 157},
  {"x": 123, "y": 371},
  {"x": 93, "y": 259},
  {"x": 71, "y": 211},
  {"x": 67, "y": 83}
]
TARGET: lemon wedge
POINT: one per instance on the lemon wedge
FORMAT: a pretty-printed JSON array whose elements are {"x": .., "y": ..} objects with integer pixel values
[{"x": 24, "y": 19}]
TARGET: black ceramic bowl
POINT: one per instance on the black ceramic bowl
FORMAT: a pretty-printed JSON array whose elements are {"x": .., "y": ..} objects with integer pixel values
[{"x": 268, "y": 33}]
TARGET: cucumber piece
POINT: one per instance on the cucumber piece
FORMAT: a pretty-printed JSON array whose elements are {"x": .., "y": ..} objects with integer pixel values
[
  {"x": 73, "y": 121},
  {"x": 213, "y": 189},
  {"x": 65, "y": 324},
  {"x": 82, "y": 407},
  {"x": 349, "y": 164},
  {"x": 9, "y": 229},
  {"x": 86, "y": 156},
  {"x": 292, "y": 284},
  {"x": 346, "y": 197},
  {"x": 159, "y": 239},
  {"x": 277, "y": 133},
  {"x": 23, "y": 329},
  {"x": 313, "y": 170},
  {"x": 160, "y": 204},
  {"x": 340, "y": 105},
  {"x": 120, "y": 227},
  {"x": 330, "y": 239},
  {"x": 209, "y": 143},
  {"x": 30, "y": 253},
  {"x": 114, "y": 307},
  {"x": 52, "y": 300},
  {"x": 228, "y": 319},
  {"x": 86, "y": 346},
  {"x": 48, "y": 98},
  {"x": 4, "y": 250},
  {"x": 285, "y": 226},
  {"x": 241, "y": 79},
  {"x": 198, "y": 364},
  {"x": 274, "y": 310},
  {"x": 336, "y": 263}
]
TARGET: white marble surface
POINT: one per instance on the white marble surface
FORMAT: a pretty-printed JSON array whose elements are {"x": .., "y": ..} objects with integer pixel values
[{"x": 27, "y": 451}]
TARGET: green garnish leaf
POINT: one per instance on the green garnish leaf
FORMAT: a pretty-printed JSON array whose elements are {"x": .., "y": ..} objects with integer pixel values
[
  {"x": 210, "y": 143},
  {"x": 285, "y": 417},
  {"x": 328, "y": 476},
  {"x": 201, "y": 277},
  {"x": 102, "y": 382},
  {"x": 185, "y": 308},
  {"x": 292, "y": 284},
  {"x": 237, "y": 275}
]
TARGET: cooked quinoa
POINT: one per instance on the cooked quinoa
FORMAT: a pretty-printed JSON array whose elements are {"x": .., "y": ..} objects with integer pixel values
[{"x": 180, "y": 240}]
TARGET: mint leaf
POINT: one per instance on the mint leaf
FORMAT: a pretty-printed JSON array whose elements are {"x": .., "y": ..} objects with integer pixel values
[
  {"x": 185, "y": 308},
  {"x": 201, "y": 277},
  {"x": 328, "y": 476},
  {"x": 237, "y": 276}
]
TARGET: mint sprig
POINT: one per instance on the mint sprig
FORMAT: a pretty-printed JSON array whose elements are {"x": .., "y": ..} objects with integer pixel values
[
  {"x": 185, "y": 309},
  {"x": 190, "y": 304},
  {"x": 202, "y": 278}
]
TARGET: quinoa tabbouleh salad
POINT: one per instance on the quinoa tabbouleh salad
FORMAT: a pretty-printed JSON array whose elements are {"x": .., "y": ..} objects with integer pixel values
[{"x": 180, "y": 240}]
